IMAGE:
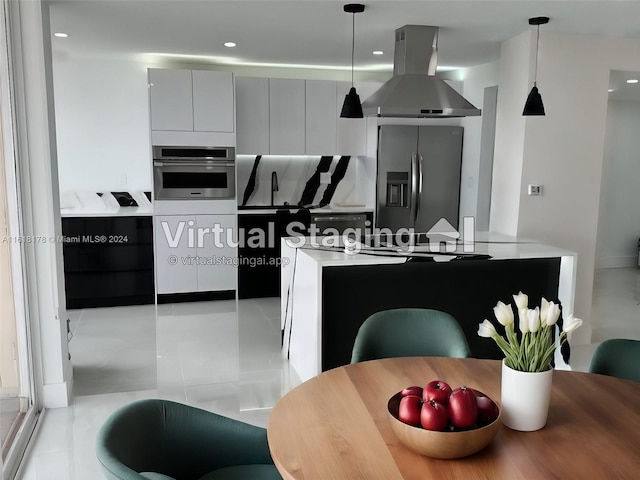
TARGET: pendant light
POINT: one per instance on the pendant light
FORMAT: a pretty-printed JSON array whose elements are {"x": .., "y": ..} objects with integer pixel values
[
  {"x": 352, "y": 108},
  {"x": 533, "y": 105}
]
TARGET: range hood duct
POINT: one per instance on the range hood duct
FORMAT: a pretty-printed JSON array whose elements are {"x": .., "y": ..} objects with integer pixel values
[{"x": 414, "y": 91}]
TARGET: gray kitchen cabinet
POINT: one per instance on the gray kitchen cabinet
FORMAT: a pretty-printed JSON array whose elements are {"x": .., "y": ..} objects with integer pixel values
[
  {"x": 171, "y": 96},
  {"x": 217, "y": 269},
  {"x": 213, "y": 101},
  {"x": 252, "y": 115},
  {"x": 286, "y": 116},
  {"x": 191, "y": 100},
  {"x": 174, "y": 273},
  {"x": 296, "y": 117},
  {"x": 320, "y": 117},
  {"x": 187, "y": 264}
]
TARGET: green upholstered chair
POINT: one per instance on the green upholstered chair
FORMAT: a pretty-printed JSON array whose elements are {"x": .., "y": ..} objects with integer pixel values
[
  {"x": 407, "y": 332},
  {"x": 163, "y": 440},
  {"x": 617, "y": 357}
]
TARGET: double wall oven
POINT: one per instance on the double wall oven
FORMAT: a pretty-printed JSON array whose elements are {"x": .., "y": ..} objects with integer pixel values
[{"x": 193, "y": 172}]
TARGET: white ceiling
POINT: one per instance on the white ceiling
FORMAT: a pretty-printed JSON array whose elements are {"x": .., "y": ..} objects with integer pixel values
[
  {"x": 318, "y": 32},
  {"x": 312, "y": 32}
]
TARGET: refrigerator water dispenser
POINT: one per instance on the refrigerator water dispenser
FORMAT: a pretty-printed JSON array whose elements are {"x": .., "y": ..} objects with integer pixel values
[{"x": 397, "y": 187}]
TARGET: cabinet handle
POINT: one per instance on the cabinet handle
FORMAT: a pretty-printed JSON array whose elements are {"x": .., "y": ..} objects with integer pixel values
[{"x": 193, "y": 164}]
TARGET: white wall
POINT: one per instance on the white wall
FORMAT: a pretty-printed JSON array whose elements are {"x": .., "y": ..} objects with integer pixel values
[
  {"x": 36, "y": 154},
  {"x": 619, "y": 219},
  {"x": 562, "y": 151},
  {"x": 485, "y": 164},
  {"x": 475, "y": 80},
  {"x": 513, "y": 81},
  {"x": 102, "y": 117}
]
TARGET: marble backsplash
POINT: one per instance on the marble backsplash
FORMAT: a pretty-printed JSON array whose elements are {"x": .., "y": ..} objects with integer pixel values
[{"x": 293, "y": 175}]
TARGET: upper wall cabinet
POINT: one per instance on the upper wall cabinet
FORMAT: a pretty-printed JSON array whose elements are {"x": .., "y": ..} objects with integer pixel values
[
  {"x": 197, "y": 103},
  {"x": 252, "y": 115},
  {"x": 321, "y": 117},
  {"x": 212, "y": 101},
  {"x": 286, "y": 116},
  {"x": 296, "y": 117},
  {"x": 171, "y": 94}
]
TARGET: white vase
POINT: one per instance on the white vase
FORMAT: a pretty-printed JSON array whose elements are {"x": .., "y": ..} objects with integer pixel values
[{"x": 525, "y": 398}]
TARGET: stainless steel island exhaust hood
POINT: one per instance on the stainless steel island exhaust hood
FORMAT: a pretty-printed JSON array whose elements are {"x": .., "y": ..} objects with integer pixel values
[{"x": 414, "y": 91}]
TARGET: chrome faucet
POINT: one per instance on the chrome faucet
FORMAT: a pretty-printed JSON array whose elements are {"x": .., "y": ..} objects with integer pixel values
[{"x": 274, "y": 185}]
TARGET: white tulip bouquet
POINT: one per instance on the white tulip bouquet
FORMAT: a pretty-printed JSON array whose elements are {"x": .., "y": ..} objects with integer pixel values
[{"x": 532, "y": 351}]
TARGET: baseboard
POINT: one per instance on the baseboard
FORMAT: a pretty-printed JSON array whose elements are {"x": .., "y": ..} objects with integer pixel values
[
  {"x": 55, "y": 395},
  {"x": 100, "y": 302},
  {"x": 196, "y": 296},
  {"x": 616, "y": 262}
]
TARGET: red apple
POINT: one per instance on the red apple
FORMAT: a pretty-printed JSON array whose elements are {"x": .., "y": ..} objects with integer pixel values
[
  {"x": 463, "y": 407},
  {"x": 412, "y": 390},
  {"x": 409, "y": 410},
  {"x": 436, "y": 390},
  {"x": 487, "y": 410},
  {"x": 434, "y": 416}
]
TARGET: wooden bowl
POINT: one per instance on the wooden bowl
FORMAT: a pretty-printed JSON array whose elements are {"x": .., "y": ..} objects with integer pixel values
[{"x": 447, "y": 444}]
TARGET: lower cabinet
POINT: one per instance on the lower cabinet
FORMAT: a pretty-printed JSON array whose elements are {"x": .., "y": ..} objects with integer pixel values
[
  {"x": 174, "y": 271},
  {"x": 195, "y": 253},
  {"x": 259, "y": 262},
  {"x": 218, "y": 269},
  {"x": 108, "y": 261}
]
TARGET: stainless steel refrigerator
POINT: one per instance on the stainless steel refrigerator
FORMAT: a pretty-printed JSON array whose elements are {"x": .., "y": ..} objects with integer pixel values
[{"x": 418, "y": 176}]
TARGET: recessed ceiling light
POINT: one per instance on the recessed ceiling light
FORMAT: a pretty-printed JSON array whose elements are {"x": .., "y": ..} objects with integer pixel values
[
  {"x": 632, "y": 80},
  {"x": 610, "y": 90},
  {"x": 378, "y": 52},
  {"x": 229, "y": 44},
  {"x": 60, "y": 34}
]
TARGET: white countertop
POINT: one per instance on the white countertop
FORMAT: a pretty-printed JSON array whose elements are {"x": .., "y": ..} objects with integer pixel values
[
  {"x": 498, "y": 246},
  {"x": 89, "y": 204}
]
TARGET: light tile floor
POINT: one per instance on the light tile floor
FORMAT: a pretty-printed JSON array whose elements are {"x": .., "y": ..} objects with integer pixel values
[
  {"x": 615, "y": 312},
  {"x": 221, "y": 356}
]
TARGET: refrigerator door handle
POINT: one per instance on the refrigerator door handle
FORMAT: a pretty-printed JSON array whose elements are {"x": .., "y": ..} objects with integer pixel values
[
  {"x": 414, "y": 190},
  {"x": 419, "y": 164}
]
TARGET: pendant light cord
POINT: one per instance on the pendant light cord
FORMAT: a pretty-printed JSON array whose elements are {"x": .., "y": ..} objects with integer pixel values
[
  {"x": 535, "y": 76},
  {"x": 353, "y": 42}
]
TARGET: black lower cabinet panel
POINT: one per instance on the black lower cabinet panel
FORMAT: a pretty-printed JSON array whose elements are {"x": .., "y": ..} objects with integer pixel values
[
  {"x": 108, "y": 261},
  {"x": 258, "y": 271},
  {"x": 468, "y": 290}
]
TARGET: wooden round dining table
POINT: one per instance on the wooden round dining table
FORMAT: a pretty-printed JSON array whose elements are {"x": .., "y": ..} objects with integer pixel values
[{"x": 336, "y": 426}]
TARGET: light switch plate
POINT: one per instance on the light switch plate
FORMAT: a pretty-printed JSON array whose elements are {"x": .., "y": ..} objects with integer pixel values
[
  {"x": 535, "y": 190},
  {"x": 325, "y": 178}
]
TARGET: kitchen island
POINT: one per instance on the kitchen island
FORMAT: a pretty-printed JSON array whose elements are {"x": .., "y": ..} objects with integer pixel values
[{"x": 327, "y": 294}]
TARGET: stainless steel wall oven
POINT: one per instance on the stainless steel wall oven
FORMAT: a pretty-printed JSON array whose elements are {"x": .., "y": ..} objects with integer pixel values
[{"x": 193, "y": 172}]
